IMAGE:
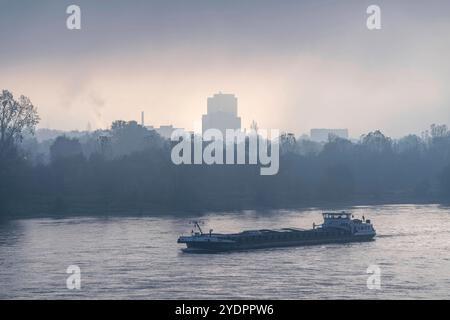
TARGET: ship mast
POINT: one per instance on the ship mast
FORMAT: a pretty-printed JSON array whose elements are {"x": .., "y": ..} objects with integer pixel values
[{"x": 197, "y": 224}]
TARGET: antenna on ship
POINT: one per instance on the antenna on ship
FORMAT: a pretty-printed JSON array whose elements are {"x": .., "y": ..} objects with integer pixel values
[{"x": 197, "y": 224}]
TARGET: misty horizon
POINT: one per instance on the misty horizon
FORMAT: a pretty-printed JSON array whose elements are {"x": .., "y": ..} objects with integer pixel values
[
  {"x": 293, "y": 66},
  {"x": 297, "y": 133}
]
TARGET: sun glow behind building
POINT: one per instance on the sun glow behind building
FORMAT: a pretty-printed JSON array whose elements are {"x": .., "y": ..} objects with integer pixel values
[{"x": 221, "y": 113}]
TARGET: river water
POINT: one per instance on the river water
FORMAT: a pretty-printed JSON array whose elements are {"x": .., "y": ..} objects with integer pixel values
[{"x": 138, "y": 258}]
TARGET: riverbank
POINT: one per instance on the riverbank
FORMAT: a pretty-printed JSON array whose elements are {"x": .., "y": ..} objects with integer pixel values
[{"x": 72, "y": 206}]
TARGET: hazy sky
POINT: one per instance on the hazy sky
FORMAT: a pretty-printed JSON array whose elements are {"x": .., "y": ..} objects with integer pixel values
[{"x": 294, "y": 65}]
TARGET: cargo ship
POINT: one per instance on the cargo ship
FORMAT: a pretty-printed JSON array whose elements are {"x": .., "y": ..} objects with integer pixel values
[{"x": 340, "y": 227}]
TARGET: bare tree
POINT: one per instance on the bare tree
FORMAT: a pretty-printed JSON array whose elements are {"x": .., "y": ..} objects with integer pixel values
[{"x": 16, "y": 118}]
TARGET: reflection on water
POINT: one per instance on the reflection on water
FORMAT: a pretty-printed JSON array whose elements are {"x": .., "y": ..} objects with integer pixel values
[{"x": 128, "y": 258}]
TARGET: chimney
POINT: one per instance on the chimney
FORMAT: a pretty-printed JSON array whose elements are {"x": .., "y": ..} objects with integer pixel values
[{"x": 142, "y": 118}]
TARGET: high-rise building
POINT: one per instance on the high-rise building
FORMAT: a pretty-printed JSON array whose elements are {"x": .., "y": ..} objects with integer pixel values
[
  {"x": 221, "y": 113},
  {"x": 166, "y": 131},
  {"x": 323, "y": 135}
]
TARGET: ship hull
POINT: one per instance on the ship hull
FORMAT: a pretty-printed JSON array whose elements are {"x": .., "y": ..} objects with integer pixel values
[{"x": 217, "y": 247}]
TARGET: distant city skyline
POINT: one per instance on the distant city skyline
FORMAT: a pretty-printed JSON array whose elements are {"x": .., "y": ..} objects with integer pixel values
[
  {"x": 222, "y": 113},
  {"x": 324, "y": 134},
  {"x": 294, "y": 65}
]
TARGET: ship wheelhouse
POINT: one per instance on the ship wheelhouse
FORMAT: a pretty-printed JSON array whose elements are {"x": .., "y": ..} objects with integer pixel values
[
  {"x": 344, "y": 221},
  {"x": 340, "y": 220}
]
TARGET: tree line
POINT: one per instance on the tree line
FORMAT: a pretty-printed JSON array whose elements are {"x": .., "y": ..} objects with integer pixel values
[{"x": 128, "y": 169}]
